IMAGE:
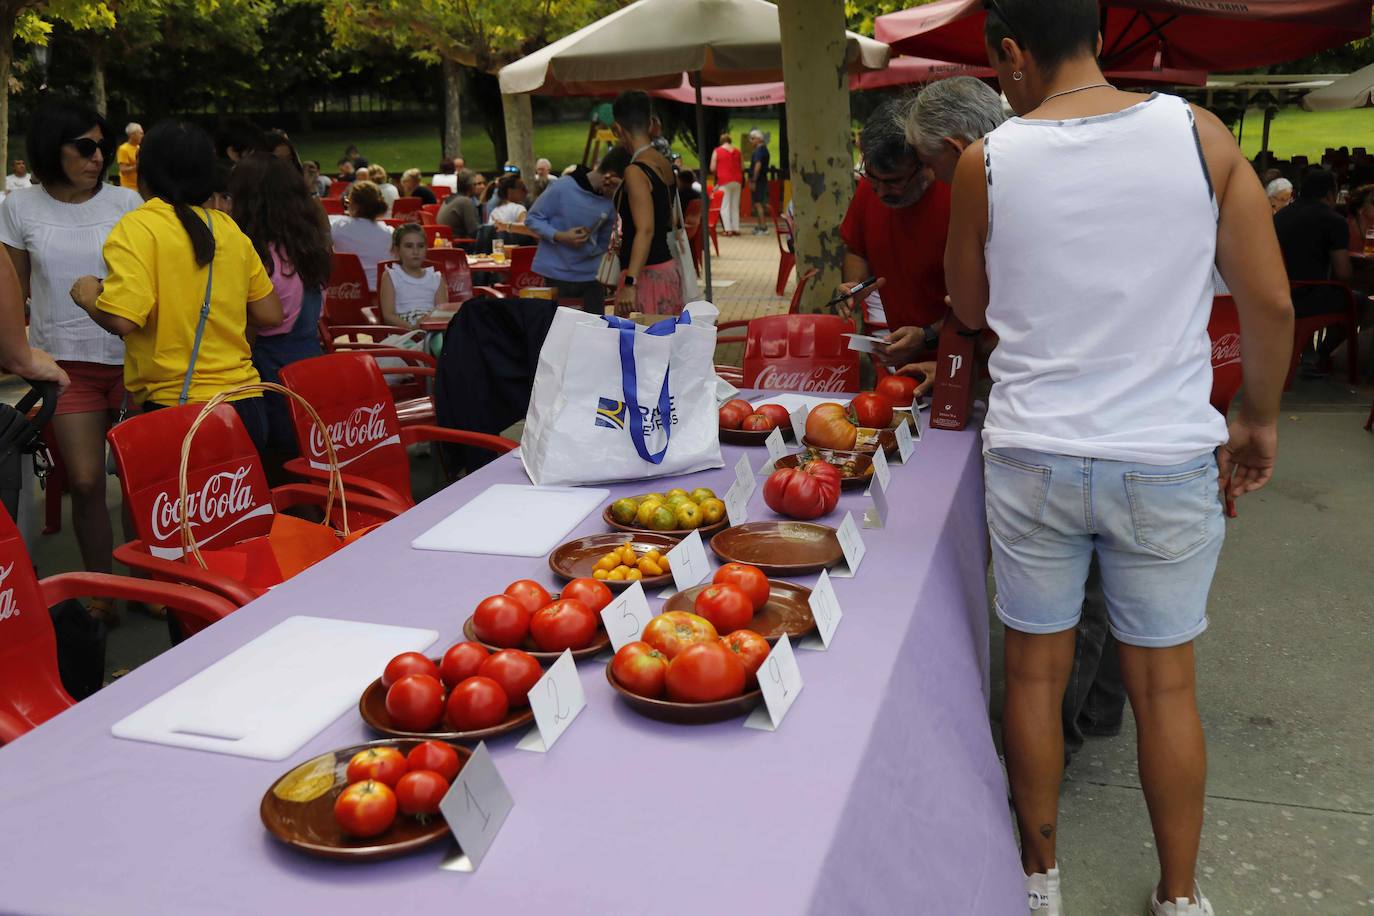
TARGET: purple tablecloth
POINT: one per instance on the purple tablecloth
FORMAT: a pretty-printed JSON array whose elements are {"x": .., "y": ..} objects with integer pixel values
[{"x": 881, "y": 792}]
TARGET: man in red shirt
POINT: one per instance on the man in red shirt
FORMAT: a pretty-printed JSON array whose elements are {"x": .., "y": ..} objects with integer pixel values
[{"x": 895, "y": 230}]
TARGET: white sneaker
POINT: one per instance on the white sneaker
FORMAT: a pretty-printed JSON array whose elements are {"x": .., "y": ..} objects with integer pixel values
[
  {"x": 1042, "y": 893},
  {"x": 1182, "y": 906}
]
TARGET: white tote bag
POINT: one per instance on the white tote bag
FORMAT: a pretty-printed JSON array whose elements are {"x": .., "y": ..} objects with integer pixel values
[
  {"x": 681, "y": 248},
  {"x": 614, "y": 401}
]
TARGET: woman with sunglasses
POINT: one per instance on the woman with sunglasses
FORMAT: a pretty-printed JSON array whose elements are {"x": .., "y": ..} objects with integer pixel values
[{"x": 54, "y": 232}]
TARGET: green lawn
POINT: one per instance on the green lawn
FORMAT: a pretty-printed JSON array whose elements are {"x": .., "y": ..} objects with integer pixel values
[{"x": 1296, "y": 132}]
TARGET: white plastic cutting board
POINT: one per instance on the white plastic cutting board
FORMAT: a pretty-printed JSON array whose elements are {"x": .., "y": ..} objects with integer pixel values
[
  {"x": 269, "y": 697},
  {"x": 513, "y": 520}
]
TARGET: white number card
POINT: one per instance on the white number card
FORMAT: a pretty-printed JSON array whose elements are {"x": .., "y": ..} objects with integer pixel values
[
  {"x": 905, "y": 445},
  {"x": 916, "y": 418},
  {"x": 875, "y": 516},
  {"x": 555, "y": 699},
  {"x": 744, "y": 476},
  {"x": 688, "y": 561},
  {"x": 780, "y": 680},
  {"x": 852, "y": 543},
  {"x": 475, "y": 808},
  {"x": 626, "y": 616},
  {"x": 736, "y": 504},
  {"x": 777, "y": 449},
  {"x": 825, "y": 608},
  {"x": 882, "y": 471},
  {"x": 799, "y": 422}
]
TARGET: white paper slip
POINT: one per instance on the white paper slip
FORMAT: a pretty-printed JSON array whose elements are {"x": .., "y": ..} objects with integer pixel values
[
  {"x": 626, "y": 616},
  {"x": 777, "y": 449},
  {"x": 744, "y": 476},
  {"x": 799, "y": 422},
  {"x": 905, "y": 445},
  {"x": 688, "y": 560},
  {"x": 825, "y": 609},
  {"x": 475, "y": 808},
  {"x": 780, "y": 680},
  {"x": 736, "y": 504},
  {"x": 852, "y": 543},
  {"x": 497, "y": 520},
  {"x": 865, "y": 343},
  {"x": 555, "y": 699},
  {"x": 875, "y": 516},
  {"x": 882, "y": 472}
]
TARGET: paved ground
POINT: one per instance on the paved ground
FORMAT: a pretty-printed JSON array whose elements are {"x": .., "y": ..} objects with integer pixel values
[{"x": 1286, "y": 687}]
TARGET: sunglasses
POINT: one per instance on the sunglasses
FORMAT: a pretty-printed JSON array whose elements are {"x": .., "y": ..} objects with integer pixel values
[
  {"x": 996, "y": 7},
  {"x": 85, "y": 147}
]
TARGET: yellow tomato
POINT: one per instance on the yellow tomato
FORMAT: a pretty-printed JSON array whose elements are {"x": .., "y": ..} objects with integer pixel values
[
  {"x": 649, "y": 567},
  {"x": 633, "y": 575},
  {"x": 616, "y": 575},
  {"x": 609, "y": 562},
  {"x": 599, "y": 573},
  {"x": 663, "y": 563},
  {"x": 627, "y": 555}
]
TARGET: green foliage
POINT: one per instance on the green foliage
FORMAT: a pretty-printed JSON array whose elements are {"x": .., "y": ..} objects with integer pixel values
[{"x": 861, "y": 13}]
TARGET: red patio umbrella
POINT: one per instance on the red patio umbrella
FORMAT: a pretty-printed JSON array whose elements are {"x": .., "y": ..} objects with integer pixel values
[{"x": 1215, "y": 35}]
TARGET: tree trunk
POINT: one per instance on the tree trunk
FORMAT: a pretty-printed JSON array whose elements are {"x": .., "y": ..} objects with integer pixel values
[
  {"x": 6, "y": 64},
  {"x": 822, "y": 163},
  {"x": 99, "y": 96},
  {"x": 519, "y": 132},
  {"x": 453, "y": 110}
]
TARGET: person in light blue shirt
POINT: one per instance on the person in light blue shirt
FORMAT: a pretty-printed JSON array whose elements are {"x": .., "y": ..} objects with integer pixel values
[{"x": 574, "y": 219}]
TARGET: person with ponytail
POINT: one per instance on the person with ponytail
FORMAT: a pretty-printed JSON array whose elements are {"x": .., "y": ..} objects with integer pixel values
[{"x": 166, "y": 263}]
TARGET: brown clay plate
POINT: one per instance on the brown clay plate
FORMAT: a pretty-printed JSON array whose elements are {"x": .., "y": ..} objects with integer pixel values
[
  {"x": 887, "y": 438},
  {"x": 749, "y": 436},
  {"x": 862, "y": 461},
  {"x": 600, "y": 642},
  {"x": 686, "y": 713},
  {"x": 780, "y": 548},
  {"x": 309, "y": 825},
  {"x": 372, "y": 707},
  {"x": 577, "y": 558},
  {"x": 676, "y": 534},
  {"x": 788, "y": 610}
]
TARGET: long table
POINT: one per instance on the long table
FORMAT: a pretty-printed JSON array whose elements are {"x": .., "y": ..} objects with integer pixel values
[{"x": 880, "y": 793}]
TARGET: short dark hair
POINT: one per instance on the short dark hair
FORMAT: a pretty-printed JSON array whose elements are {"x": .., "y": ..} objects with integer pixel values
[
  {"x": 883, "y": 139},
  {"x": 365, "y": 198},
  {"x": 56, "y": 123},
  {"x": 177, "y": 164},
  {"x": 633, "y": 110},
  {"x": 239, "y": 134},
  {"x": 615, "y": 162},
  {"x": 446, "y": 166},
  {"x": 1051, "y": 31},
  {"x": 400, "y": 232},
  {"x": 1317, "y": 183}
]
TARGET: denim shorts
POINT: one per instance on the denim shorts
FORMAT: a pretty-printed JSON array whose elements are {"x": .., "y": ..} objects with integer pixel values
[{"x": 1157, "y": 531}]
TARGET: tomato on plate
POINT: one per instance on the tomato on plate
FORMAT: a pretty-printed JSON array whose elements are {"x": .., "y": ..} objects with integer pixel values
[
  {"x": 461, "y": 662},
  {"x": 421, "y": 791},
  {"x": 501, "y": 621},
  {"x": 872, "y": 410},
  {"x": 705, "y": 673},
  {"x": 640, "y": 669},
  {"x": 408, "y": 663},
  {"x": 777, "y": 413},
  {"x": 732, "y": 413},
  {"x": 529, "y": 593},
  {"x": 365, "y": 808},
  {"x": 828, "y": 426},
  {"x": 384, "y": 764},
  {"x": 415, "y": 702},
  {"x": 674, "y": 631},
  {"x": 478, "y": 702},
  {"x": 749, "y": 579},
  {"x": 436, "y": 756},
  {"x": 757, "y": 423},
  {"x": 726, "y": 606},
  {"x": 515, "y": 671},
  {"x": 750, "y": 648},
  {"x": 565, "y": 624},
  {"x": 899, "y": 389},
  {"x": 594, "y": 595},
  {"x": 807, "y": 492}
]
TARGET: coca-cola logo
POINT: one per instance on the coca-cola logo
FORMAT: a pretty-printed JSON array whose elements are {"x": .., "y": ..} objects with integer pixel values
[
  {"x": 223, "y": 496},
  {"x": 8, "y": 606},
  {"x": 817, "y": 378},
  {"x": 527, "y": 280},
  {"x": 349, "y": 290},
  {"x": 364, "y": 428},
  {"x": 1225, "y": 350}
]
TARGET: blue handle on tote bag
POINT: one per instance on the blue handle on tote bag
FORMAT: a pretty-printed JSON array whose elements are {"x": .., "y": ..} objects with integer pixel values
[{"x": 629, "y": 381}]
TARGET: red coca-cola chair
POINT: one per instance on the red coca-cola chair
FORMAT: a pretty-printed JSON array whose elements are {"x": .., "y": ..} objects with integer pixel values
[
  {"x": 426, "y": 217},
  {"x": 713, "y": 219},
  {"x": 787, "y": 258},
  {"x": 337, "y": 188},
  {"x": 1224, "y": 330},
  {"x": 230, "y": 500},
  {"x": 458, "y": 275},
  {"x": 793, "y": 308},
  {"x": 332, "y": 205},
  {"x": 522, "y": 275},
  {"x": 1304, "y": 329},
  {"x": 406, "y": 208},
  {"x": 31, "y": 690},
  {"x": 382, "y": 267},
  {"x": 800, "y": 353},
  {"x": 342, "y": 318},
  {"x": 691, "y": 224},
  {"x": 348, "y": 392},
  {"x": 437, "y": 231}
]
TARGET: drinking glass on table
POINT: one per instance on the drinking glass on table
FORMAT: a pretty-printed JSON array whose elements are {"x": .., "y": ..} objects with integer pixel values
[
  {"x": 498, "y": 249},
  {"x": 1369, "y": 242}
]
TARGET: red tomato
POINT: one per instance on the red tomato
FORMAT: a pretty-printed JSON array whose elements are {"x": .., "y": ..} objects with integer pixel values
[
  {"x": 705, "y": 673},
  {"x": 565, "y": 624},
  {"x": 758, "y": 423},
  {"x": 803, "y": 493},
  {"x": 408, "y": 663},
  {"x": 828, "y": 426},
  {"x": 461, "y": 662},
  {"x": 365, "y": 808},
  {"x": 749, "y": 579},
  {"x": 777, "y": 413},
  {"x": 420, "y": 792},
  {"x": 501, "y": 621},
  {"x": 674, "y": 631},
  {"x": 732, "y": 417},
  {"x": 515, "y": 671},
  {"x": 640, "y": 669},
  {"x": 529, "y": 593},
  {"x": 899, "y": 389},
  {"x": 750, "y": 648},
  {"x": 594, "y": 595},
  {"x": 872, "y": 410},
  {"x": 478, "y": 702},
  {"x": 384, "y": 764},
  {"x": 726, "y": 606},
  {"x": 415, "y": 702},
  {"x": 436, "y": 756}
]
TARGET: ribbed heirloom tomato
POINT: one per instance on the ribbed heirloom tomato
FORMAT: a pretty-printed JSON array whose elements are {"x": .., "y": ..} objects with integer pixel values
[
  {"x": 461, "y": 662},
  {"x": 564, "y": 624},
  {"x": 640, "y": 669},
  {"x": 436, "y": 756},
  {"x": 515, "y": 671},
  {"x": 750, "y": 579},
  {"x": 872, "y": 410},
  {"x": 726, "y": 606},
  {"x": 501, "y": 621},
  {"x": 828, "y": 426},
  {"x": 384, "y": 764},
  {"x": 365, "y": 808},
  {"x": 705, "y": 673},
  {"x": 803, "y": 493},
  {"x": 674, "y": 631},
  {"x": 415, "y": 702}
]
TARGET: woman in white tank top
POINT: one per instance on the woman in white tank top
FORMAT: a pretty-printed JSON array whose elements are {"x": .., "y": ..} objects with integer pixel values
[{"x": 1084, "y": 233}]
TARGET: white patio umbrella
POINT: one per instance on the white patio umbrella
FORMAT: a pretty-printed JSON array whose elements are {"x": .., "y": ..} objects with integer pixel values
[
  {"x": 651, "y": 44},
  {"x": 1353, "y": 91}
]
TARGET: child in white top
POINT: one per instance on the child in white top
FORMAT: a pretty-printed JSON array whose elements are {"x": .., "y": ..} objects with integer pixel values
[{"x": 409, "y": 291}]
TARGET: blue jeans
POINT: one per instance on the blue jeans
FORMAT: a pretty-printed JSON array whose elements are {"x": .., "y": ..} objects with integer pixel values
[{"x": 271, "y": 353}]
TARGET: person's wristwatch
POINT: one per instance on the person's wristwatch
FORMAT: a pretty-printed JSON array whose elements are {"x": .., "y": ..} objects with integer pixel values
[
  {"x": 932, "y": 337},
  {"x": 629, "y": 280}
]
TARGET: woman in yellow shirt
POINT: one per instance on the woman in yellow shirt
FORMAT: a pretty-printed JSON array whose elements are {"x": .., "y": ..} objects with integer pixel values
[{"x": 172, "y": 264}]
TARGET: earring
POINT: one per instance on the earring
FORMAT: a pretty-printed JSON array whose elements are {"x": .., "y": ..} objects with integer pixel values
[{"x": 1018, "y": 76}]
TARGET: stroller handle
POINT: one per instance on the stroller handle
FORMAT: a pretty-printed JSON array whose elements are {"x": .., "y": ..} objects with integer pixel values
[{"x": 46, "y": 392}]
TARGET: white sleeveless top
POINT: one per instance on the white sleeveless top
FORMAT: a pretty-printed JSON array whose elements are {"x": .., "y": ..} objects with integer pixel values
[
  {"x": 415, "y": 295},
  {"x": 1101, "y": 242}
]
